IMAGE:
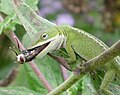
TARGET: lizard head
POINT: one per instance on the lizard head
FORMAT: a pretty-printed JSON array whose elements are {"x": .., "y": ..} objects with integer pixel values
[{"x": 48, "y": 41}]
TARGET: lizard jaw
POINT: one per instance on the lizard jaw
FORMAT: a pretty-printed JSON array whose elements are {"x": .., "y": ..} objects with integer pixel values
[{"x": 52, "y": 44}]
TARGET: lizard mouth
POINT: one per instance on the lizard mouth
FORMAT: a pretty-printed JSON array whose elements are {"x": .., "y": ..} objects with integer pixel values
[
  {"x": 30, "y": 54},
  {"x": 38, "y": 49},
  {"x": 42, "y": 48}
]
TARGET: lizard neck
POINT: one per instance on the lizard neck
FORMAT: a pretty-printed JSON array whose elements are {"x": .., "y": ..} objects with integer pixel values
[
  {"x": 69, "y": 34},
  {"x": 62, "y": 29}
]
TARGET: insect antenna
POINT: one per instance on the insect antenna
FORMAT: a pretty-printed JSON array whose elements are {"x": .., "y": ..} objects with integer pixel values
[
  {"x": 13, "y": 50},
  {"x": 18, "y": 46}
]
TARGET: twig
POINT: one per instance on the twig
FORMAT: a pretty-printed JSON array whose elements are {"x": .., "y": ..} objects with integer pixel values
[
  {"x": 11, "y": 76},
  {"x": 63, "y": 65},
  {"x": 64, "y": 72},
  {"x": 12, "y": 37},
  {"x": 60, "y": 60},
  {"x": 92, "y": 64}
]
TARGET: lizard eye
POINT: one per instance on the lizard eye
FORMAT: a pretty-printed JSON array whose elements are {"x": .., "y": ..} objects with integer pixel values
[{"x": 44, "y": 36}]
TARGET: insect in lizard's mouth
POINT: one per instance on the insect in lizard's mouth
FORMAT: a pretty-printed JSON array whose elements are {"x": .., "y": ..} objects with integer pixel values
[
  {"x": 30, "y": 54},
  {"x": 40, "y": 48}
]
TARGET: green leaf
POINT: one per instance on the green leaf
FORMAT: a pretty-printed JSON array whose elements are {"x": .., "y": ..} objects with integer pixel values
[
  {"x": 30, "y": 80},
  {"x": 76, "y": 89},
  {"x": 9, "y": 23},
  {"x": 115, "y": 89},
  {"x": 83, "y": 87},
  {"x": 32, "y": 22},
  {"x": 19, "y": 79},
  {"x": 17, "y": 91},
  {"x": 49, "y": 68},
  {"x": 88, "y": 86},
  {"x": 7, "y": 7},
  {"x": 32, "y": 4}
]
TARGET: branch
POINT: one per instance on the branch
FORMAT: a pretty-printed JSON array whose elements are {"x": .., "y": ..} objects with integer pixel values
[
  {"x": 103, "y": 58},
  {"x": 63, "y": 65},
  {"x": 60, "y": 60},
  {"x": 11, "y": 76},
  {"x": 92, "y": 64}
]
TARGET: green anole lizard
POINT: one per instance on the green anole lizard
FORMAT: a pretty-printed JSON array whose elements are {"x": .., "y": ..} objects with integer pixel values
[{"x": 77, "y": 44}]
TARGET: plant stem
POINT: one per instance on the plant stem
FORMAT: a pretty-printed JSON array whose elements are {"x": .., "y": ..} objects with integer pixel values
[
  {"x": 103, "y": 58},
  {"x": 65, "y": 85},
  {"x": 64, "y": 72}
]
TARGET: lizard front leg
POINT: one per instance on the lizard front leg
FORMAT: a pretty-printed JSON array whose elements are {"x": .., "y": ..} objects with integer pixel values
[
  {"x": 72, "y": 60},
  {"x": 71, "y": 53}
]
